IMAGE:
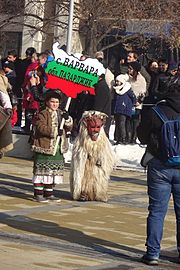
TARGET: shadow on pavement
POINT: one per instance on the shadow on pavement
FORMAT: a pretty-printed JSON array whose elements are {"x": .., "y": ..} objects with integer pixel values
[
  {"x": 50, "y": 229},
  {"x": 14, "y": 178},
  {"x": 129, "y": 180},
  {"x": 14, "y": 187}
]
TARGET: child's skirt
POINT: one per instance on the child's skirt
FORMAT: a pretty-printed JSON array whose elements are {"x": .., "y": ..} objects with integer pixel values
[{"x": 48, "y": 169}]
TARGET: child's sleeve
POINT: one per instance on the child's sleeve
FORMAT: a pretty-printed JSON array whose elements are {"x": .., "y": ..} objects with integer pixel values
[{"x": 42, "y": 127}]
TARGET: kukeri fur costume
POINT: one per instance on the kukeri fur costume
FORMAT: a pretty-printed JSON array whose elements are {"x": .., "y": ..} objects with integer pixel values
[{"x": 92, "y": 162}]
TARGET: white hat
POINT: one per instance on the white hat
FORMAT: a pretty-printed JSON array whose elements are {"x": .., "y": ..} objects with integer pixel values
[
  {"x": 125, "y": 85},
  {"x": 122, "y": 78}
]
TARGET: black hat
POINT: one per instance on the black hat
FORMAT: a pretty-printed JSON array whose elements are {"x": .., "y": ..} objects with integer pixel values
[
  {"x": 30, "y": 51},
  {"x": 135, "y": 65},
  {"x": 9, "y": 64},
  {"x": 52, "y": 93},
  {"x": 173, "y": 66}
]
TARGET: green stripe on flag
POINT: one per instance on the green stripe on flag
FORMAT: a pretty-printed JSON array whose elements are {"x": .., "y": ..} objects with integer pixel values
[{"x": 72, "y": 74}]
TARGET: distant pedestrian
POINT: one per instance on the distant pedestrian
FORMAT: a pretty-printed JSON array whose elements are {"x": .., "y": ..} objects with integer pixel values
[
  {"x": 48, "y": 161},
  {"x": 101, "y": 101},
  {"x": 138, "y": 85},
  {"x": 17, "y": 91},
  {"x": 11, "y": 75},
  {"x": 5, "y": 116},
  {"x": 124, "y": 100},
  {"x": 133, "y": 58},
  {"x": 162, "y": 80}
]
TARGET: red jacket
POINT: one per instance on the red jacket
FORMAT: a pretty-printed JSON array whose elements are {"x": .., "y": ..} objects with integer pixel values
[{"x": 28, "y": 99}]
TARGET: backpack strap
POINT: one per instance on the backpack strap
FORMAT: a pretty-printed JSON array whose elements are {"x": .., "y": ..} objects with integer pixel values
[{"x": 160, "y": 113}]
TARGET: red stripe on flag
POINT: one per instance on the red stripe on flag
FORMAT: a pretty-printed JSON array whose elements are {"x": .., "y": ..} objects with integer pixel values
[{"x": 69, "y": 88}]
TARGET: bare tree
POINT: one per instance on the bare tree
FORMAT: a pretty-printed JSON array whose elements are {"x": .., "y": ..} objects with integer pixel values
[
  {"x": 95, "y": 19},
  {"x": 99, "y": 18}
]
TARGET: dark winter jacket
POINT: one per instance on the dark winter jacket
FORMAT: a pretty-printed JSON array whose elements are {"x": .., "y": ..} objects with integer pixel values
[
  {"x": 161, "y": 85},
  {"x": 153, "y": 85},
  {"x": 19, "y": 79},
  {"x": 149, "y": 130},
  {"x": 102, "y": 100},
  {"x": 80, "y": 104},
  {"x": 123, "y": 104},
  {"x": 11, "y": 78}
]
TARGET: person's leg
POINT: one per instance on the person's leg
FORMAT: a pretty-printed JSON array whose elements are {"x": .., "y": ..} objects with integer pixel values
[
  {"x": 48, "y": 190},
  {"x": 176, "y": 198},
  {"x": 128, "y": 129},
  {"x": 48, "y": 193},
  {"x": 38, "y": 192},
  {"x": 38, "y": 189},
  {"x": 159, "y": 179},
  {"x": 135, "y": 120},
  {"x": 122, "y": 127},
  {"x": 117, "y": 131},
  {"x": 19, "y": 113},
  {"x": 19, "y": 107},
  {"x": 107, "y": 126},
  {"x": 132, "y": 123}
]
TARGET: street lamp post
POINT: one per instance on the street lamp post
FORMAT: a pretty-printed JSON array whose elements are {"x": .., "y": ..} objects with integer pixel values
[
  {"x": 68, "y": 50},
  {"x": 70, "y": 26}
]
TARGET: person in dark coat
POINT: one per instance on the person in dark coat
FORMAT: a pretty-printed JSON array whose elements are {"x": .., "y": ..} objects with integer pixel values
[
  {"x": 162, "y": 179},
  {"x": 101, "y": 101},
  {"x": 12, "y": 57},
  {"x": 162, "y": 80},
  {"x": 10, "y": 73}
]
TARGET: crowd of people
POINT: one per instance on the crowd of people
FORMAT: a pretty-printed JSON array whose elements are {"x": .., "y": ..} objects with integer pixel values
[
  {"x": 123, "y": 92},
  {"x": 124, "y": 96},
  {"x": 120, "y": 94}
]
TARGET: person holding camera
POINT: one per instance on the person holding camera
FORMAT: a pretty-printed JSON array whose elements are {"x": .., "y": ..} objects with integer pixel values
[
  {"x": 29, "y": 104},
  {"x": 48, "y": 157}
]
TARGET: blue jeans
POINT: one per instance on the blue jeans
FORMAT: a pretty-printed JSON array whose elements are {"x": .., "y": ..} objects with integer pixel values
[{"x": 162, "y": 181}]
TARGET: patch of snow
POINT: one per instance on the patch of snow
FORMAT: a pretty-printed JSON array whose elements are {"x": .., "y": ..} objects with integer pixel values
[{"x": 127, "y": 157}]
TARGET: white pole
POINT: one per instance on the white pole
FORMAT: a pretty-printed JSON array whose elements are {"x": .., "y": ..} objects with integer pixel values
[
  {"x": 69, "y": 38},
  {"x": 68, "y": 50},
  {"x": 70, "y": 26}
]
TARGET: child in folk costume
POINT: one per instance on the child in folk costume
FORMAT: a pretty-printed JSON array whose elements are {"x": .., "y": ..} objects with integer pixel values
[{"x": 48, "y": 162}]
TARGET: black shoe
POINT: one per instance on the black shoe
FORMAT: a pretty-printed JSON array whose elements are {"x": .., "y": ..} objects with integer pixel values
[
  {"x": 124, "y": 141},
  {"x": 178, "y": 260},
  {"x": 117, "y": 143},
  {"x": 149, "y": 260},
  {"x": 133, "y": 141}
]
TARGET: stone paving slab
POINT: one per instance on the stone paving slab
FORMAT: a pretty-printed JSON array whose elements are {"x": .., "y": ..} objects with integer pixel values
[{"x": 76, "y": 235}]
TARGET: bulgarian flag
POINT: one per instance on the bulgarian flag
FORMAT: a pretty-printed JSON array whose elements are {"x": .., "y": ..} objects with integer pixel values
[{"x": 72, "y": 76}]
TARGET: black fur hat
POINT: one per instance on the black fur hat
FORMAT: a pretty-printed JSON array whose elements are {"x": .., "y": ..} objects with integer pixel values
[
  {"x": 30, "y": 51},
  {"x": 52, "y": 93},
  {"x": 135, "y": 65}
]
